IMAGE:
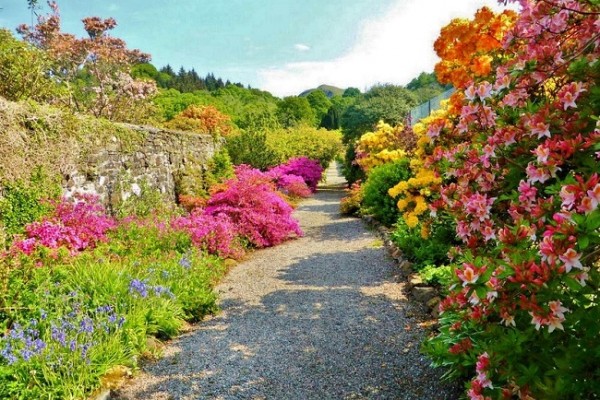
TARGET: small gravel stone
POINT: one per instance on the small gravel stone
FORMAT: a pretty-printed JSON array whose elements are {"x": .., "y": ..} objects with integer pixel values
[{"x": 320, "y": 317}]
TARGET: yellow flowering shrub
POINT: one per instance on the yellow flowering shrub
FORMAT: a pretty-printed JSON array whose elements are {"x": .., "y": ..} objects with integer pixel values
[
  {"x": 385, "y": 145},
  {"x": 414, "y": 193}
]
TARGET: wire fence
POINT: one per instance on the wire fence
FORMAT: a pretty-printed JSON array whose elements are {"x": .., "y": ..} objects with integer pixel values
[{"x": 423, "y": 110}]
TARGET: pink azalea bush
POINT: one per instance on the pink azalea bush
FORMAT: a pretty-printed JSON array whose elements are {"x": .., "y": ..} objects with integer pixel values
[
  {"x": 291, "y": 185},
  {"x": 310, "y": 170},
  {"x": 252, "y": 204},
  {"x": 75, "y": 224},
  {"x": 520, "y": 161},
  {"x": 214, "y": 233}
]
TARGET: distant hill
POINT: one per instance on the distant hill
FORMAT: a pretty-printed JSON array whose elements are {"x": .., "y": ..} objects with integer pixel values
[{"x": 329, "y": 91}]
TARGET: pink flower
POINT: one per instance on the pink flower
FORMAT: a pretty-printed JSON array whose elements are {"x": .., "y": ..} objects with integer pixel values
[
  {"x": 540, "y": 129},
  {"x": 535, "y": 174},
  {"x": 568, "y": 196},
  {"x": 471, "y": 92},
  {"x": 594, "y": 195},
  {"x": 537, "y": 320},
  {"x": 554, "y": 322},
  {"x": 484, "y": 90},
  {"x": 542, "y": 152},
  {"x": 467, "y": 274},
  {"x": 571, "y": 260},
  {"x": 502, "y": 82},
  {"x": 488, "y": 233},
  {"x": 569, "y": 93},
  {"x": 587, "y": 205},
  {"x": 557, "y": 308}
]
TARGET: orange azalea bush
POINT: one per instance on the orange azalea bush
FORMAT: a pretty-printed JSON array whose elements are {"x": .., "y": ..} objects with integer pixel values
[
  {"x": 204, "y": 119},
  {"x": 518, "y": 161},
  {"x": 468, "y": 47}
]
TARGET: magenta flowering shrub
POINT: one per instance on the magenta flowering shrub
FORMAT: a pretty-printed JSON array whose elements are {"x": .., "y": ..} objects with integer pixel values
[
  {"x": 75, "y": 224},
  {"x": 251, "y": 203},
  {"x": 310, "y": 170},
  {"x": 292, "y": 185},
  {"x": 213, "y": 233}
]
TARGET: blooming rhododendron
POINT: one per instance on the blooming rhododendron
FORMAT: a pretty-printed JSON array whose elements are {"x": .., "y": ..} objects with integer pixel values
[
  {"x": 310, "y": 170},
  {"x": 518, "y": 174},
  {"x": 75, "y": 224},
  {"x": 252, "y": 205}
]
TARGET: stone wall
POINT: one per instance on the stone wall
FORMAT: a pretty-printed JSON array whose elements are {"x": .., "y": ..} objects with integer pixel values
[{"x": 118, "y": 169}]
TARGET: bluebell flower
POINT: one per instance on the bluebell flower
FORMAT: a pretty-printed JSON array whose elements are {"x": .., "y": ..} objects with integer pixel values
[
  {"x": 84, "y": 349},
  {"x": 86, "y": 325},
  {"x": 138, "y": 286},
  {"x": 59, "y": 336},
  {"x": 185, "y": 262},
  {"x": 72, "y": 345},
  {"x": 39, "y": 345},
  {"x": 17, "y": 332},
  {"x": 8, "y": 355},
  {"x": 43, "y": 315},
  {"x": 104, "y": 309},
  {"x": 26, "y": 354}
]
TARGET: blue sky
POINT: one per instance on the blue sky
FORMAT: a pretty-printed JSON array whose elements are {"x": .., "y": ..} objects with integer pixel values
[{"x": 284, "y": 46}]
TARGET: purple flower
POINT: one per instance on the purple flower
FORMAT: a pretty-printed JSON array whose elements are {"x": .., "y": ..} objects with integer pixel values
[
  {"x": 86, "y": 325},
  {"x": 8, "y": 355},
  {"x": 185, "y": 262},
  {"x": 58, "y": 335},
  {"x": 140, "y": 287},
  {"x": 26, "y": 354}
]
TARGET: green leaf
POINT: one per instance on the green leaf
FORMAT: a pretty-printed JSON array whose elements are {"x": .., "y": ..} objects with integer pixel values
[
  {"x": 583, "y": 242},
  {"x": 573, "y": 284},
  {"x": 593, "y": 221}
]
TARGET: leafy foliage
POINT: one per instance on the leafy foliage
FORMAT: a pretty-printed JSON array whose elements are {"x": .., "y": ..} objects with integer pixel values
[
  {"x": 23, "y": 71},
  {"x": 249, "y": 147},
  {"x": 428, "y": 245},
  {"x": 294, "y": 111},
  {"x": 352, "y": 202},
  {"x": 22, "y": 202},
  {"x": 375, "y": 190},
  {"x": 388, "y": 103}
]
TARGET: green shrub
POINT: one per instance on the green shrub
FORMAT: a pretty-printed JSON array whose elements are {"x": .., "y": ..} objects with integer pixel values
[
  {"x": 305, "y": 141},
  {"x": 141, "y": 202},
  {"x": 22, "y": 202},
  {"x": 432, "y": 250},
  {"x": 440, "y": 275},
  {"x": 219, "y": 168},
  {"x": 23, "y": 71},
  {"x": 376, "y": 200},
  {"x": 251, "y": 148}
]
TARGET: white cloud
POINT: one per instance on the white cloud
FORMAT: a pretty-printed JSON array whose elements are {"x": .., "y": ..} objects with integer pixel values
[
  {"x": 391, "y": 49},
  {"x": 301, "y": 47}
]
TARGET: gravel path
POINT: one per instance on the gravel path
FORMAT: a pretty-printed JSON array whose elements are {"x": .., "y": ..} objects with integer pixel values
[{"x": 321, "y": 317}]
